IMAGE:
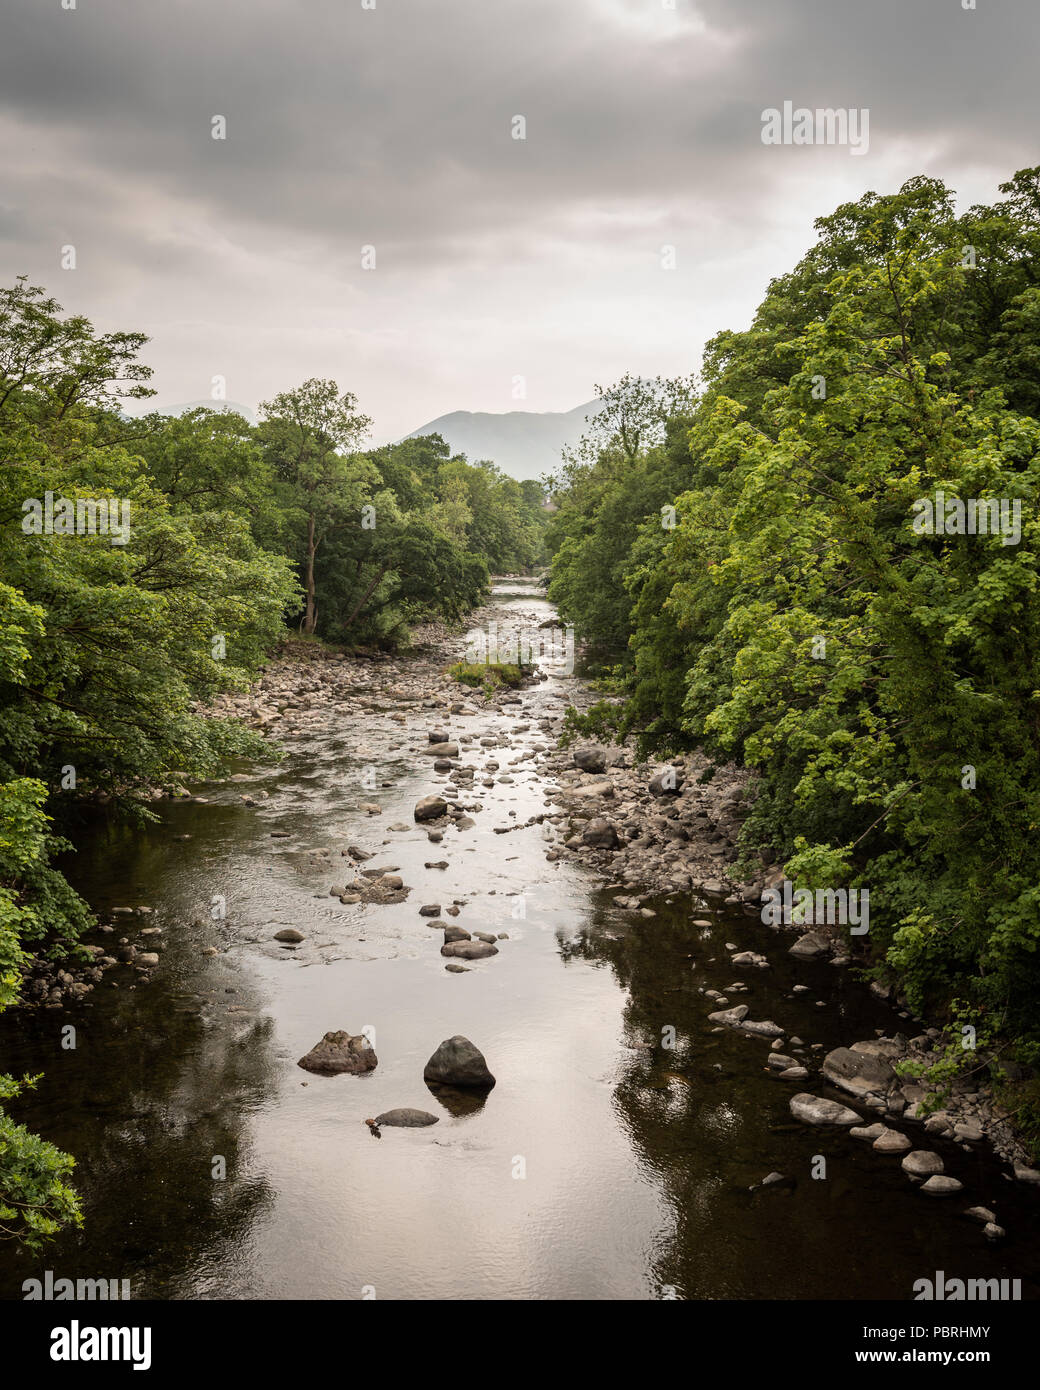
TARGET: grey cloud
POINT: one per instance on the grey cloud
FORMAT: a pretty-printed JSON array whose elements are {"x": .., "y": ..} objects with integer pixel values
[{"x": 348, "y": 126}]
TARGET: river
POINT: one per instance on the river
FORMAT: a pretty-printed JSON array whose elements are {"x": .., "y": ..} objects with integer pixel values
[{"x": 603, "y": 1165}]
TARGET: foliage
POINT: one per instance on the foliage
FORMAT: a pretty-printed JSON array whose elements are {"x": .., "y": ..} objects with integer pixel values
[
  {"x": 880, "y": 676},
  {"x": 36, "y": 1200}
]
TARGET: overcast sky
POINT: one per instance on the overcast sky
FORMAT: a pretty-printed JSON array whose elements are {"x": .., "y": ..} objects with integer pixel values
[{"x": 496, "y": 258}]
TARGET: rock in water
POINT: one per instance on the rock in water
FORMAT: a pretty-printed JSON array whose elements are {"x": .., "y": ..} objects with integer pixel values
[
  {"x": 469, "y": 950},
  {"x": 921, "y": 1163},
  {"x": 938, "y": 1185},
  {"x": 810, "y": 946},
  {"x": 890, "y": 1141},
  {"x": 406, "y": 1119},
  {"x": 430, "y": 808},
  {"x": 856, "y": 1072},
  {"x": 730, "y": 1017},
  {"x": 458, "y": 1063},
  {"x": 814, "y": 1110},
  {"x": 764, "y": 1029},
  {"x": 339, "y": 1052},
  {"x": 289, "y": 936}
]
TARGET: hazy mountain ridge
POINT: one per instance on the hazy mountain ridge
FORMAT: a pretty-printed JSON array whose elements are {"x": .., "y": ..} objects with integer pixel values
[{"x": 524, "y": 443}]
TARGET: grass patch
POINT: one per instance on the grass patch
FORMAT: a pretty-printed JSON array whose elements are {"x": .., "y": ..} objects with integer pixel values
[{"x": 490, "y": 674}]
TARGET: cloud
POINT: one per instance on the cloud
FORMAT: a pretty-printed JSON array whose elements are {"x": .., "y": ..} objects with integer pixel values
[{"x": 391, "y": 127}]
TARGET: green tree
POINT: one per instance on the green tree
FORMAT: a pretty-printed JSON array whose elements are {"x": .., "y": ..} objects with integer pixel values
[{"x": 311, "y": 435}]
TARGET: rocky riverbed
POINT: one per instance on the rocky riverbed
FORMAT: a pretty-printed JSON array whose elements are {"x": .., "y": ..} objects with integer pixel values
[
  {"x": 429, "y": 864},
  {"x": 645, "y": 829}
]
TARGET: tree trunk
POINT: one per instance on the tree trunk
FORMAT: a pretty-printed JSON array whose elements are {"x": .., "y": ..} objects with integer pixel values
[
  {"x": 310, "y": 616},
  {"x": 365, "y": 597}
]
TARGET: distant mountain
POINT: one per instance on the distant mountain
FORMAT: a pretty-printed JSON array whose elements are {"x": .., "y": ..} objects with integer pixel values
[
  {"x": 209, "y": 404},
  {"x": 524, "y": 443}
]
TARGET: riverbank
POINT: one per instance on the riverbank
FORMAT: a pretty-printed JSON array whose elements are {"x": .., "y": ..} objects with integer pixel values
[{"x": 658, "y": 828}]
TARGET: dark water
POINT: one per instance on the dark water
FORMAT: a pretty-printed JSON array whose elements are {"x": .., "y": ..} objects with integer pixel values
[{"x": 597, "y": 1168}]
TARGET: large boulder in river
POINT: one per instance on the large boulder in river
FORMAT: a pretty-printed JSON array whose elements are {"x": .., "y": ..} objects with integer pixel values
[
  {"x": 859, "y": 1073},
  {"x": 406, "y": 1118},
  {"x": 599, "y": 834},
  {"x": 430, "y": 808},
  {"x": 468, "y": 950},
  {"x": 814, "y": 1110},
  {"x": 590, "y": 759},
  {"x": 458, "y": 1063},
  {"x": 339, "y": 1052},
  {"x": 442, "y": 750}
]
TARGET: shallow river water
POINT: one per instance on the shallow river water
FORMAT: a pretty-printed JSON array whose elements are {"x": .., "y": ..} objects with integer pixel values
[{"x": 598, "y": 1168}]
